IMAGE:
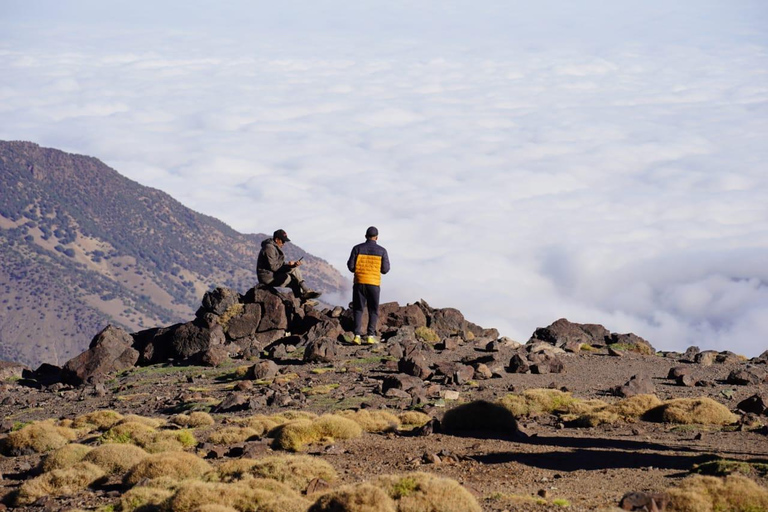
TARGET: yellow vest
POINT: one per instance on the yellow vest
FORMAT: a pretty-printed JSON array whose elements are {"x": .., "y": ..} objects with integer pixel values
[{"x": 368, "y": 269}]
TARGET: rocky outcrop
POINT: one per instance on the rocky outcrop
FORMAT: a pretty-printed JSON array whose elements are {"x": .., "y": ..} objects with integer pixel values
[
  {"x": 110, "y": 351},
  {"x": 571, "y": 336}
]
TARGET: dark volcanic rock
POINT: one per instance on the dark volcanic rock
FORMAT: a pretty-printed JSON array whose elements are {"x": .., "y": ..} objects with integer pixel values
[
  {"x": 743, "y": 377},
  {"x": 686, "y": 380},
  {"x": 456, "y": 373},
  {"x": 691, "y": 353},
  {"x": 757, "y": 403},
  {"x": 727, "y": 357},
  {"x": 679, "y": 371},
  {"x": 706, "y": 358},
  {"x": 110, "y": 351},
  {"x": 641, "y": 501},
  {"x": 562, "y": 331},
  {"x": 274, "y": 315},
  {"x": 637, "y": 385},
  {"x": 448, "y": 322},
  {"x": 519, "y": 364},
  {"x": 190, "y": 339},
  {"x": 326, "y": 328},
  {"x": 263, "y": 370},
  {"x": 400, "y": 381},
  {"x": 414, "y": 363},
  {"x": 631, "y": 342},
  {"x": 219, "y": 300},
  {"x": 321, "y": 350},
  {"x": 214, "y": 356},
  {"x": 245, "y": 324},
  {"x": 545, "y": 362}
]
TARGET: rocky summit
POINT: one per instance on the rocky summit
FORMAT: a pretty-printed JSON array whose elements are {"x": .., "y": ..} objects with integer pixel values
[{"x": 262, "y": 403}]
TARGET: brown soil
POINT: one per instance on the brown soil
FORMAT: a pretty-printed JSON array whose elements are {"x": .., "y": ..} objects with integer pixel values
[{"x": 590, "y": 467}]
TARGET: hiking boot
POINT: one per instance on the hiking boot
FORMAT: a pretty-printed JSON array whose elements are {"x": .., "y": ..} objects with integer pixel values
[
  {"x": 310, "y": 294},
  {"x": 371, "y": 340},
  {"x": 357, "y": 340}
]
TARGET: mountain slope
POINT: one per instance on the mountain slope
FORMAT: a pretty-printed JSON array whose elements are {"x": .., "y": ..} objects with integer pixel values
[{"x": 81, "y": 245}]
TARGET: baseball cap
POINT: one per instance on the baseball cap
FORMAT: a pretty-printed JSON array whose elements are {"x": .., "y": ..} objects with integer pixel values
[
  {"x": 281, "y": 235},
  {"x": 371, "y": 232}
]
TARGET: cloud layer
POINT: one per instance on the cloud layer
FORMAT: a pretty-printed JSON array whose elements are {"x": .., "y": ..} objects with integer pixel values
[{"x": 606, "y": 164}]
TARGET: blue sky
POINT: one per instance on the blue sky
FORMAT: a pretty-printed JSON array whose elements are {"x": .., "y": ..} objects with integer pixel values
[{"x": 600, "y": 161}]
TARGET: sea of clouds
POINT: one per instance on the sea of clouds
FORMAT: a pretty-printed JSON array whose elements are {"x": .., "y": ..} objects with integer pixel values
[{"x": 600, "y": 161}]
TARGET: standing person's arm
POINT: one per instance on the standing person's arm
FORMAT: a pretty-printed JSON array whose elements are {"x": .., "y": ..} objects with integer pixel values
[
  {"x": 352, "y": 262},
  {"x": 384, "y": 262}
]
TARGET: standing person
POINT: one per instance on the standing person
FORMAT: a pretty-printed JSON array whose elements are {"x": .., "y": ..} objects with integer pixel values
[
  {"x": 272, "y": 269},
  {"x": 368, "y": 261}
]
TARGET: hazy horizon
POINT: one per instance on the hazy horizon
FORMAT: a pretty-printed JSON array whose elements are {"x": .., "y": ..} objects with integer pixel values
[{"x": 599, "y": 161}]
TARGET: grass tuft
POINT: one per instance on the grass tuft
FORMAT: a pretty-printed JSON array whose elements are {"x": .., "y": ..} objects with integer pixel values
[
  {"x": 362, "y": 497},
  {"x": 59, "y": 482},
  {"x": 38, "y": 437},
  {"x": 703, "y": 411},
  {"x": 231, "y": 435},
  {"x": 66, "y": 456},
  {"x": 734, "y": 493},
  {"x": 100, "y": 420},
  {"x": 114, "y": 458},
  {"x": 415, "y": 492},
  {"x": 426, "y": 335},
  {"x": 373, "y": 421},
  {"x": 175, "y": 465},
  {"x": 195, "y": 419}
]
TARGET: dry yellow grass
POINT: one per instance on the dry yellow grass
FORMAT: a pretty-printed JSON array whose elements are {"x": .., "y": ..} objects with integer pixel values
[
  {"x": 414, "y": 419},
  {"x": 116, "y": 458},
  {"x": 702, "y": 411},
  {"x": 144, "y": 498},
  {"x": 296, "y": 434},
  {"x": 294, "y": 415},
  {"x": 231, "y": 435},
  {"x": 595, "y": 418},
  {"x": 65, "y": 457},
  {"x": 246, "y": 496},
  {"x": 175, "y": 465},
  {"x": 215, "y": 508},
  {"x": 296, "y": 471},
  {"x": 260, "y": 423},
  {"x": 636, "y": 406},
  {"x": 130, "y": 432},
  {"x": 101, "y": 420},
  {"x": 734, "y": 493},
  {"x": 480, "y": 416},
  {"x": 195, "y": 419},
  {"x": 59, "y": 482},
  {"x": 418, "y": 492},
  {"x": 37, "y": 437},
  {"x": 536, "y": 401},
  {"x": 373, "y": 421},
  {"x": 355, "y": 498},
  {"x": 150, "y": 422}
]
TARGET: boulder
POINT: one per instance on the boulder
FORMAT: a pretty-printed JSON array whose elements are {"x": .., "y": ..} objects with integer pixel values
[
  {"x": 642, "y": 501},
  {"x": 411, "y": 314},
  {"x": 263, "y": 370},
  {"x": 572, "y": 346},
  {"x": 518, "y": 364},
  {"x": 631, "y": 342},
  {"x": 448, "y": 322},
  {"x": 245, "y": 324},
  {"x": 400, "y": 381},
  {"x": 562, "y": 331},
  {"x": 686, "y": 380},
  {"x": 757, "y": 403},
  {"x": 637, "y": 385},
  {"x": 455, "y": 373},
  {"x": 414, "y": 363},
  {"x": 46, "y": 374},
  {"x": 214, "y": 356},
  {"x": 403, "y": 334},
  {"x": 154, "y": 345},
  {"x": 727, "y": 357},
  {"x": 545, "y": 363},
  {"x": 273, "y": 312},
  {"x": 706, "y": 358},
  {"x": 743, "y": 377},
  {"x": 320, "y": 350},
  {"x": 450, "y": 343},
  {"x": 482, "y": 371},
  {"x": 679, "y": 371},
  {"x": 10, "y": 370},
  {"x": 110, "y": 351},
  {"x": 219, "y": 300},
  {"x": 762, "y": 358},
  {"x": 190, "y": 339},
  {"x": 691, "y": 353},
  {"x": 326, "y": 328}
]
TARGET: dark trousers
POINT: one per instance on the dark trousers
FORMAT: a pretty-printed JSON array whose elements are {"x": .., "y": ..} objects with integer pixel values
[{"x": 363, "y": 294}]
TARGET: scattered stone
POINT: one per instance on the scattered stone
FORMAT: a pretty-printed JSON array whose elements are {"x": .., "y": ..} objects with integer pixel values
[
  {"x": 483, "y": 372},
  {"x": 518, "y": 364},
  {"x": 679, "y": 371},
  {"x": 757, "y": 403},
  {"x": 572, "y": 346},
  {"x": 215, "y": 356},
  {"x": 316, "y": 485},
  {"x": 397, "y": 393},
  {"x": 686, "y": 380},
  {"x": 691, "y": 353},
  {"x": 743, "y": 377},
  {"x": 233, "y": 402},
  {"x": 728, "y": 357},
  {"x": 415, "y": 364},
  {"x": 450, "y": 343},
  {"x": 400, "y": 381},
  {"x": 263, "y": 370},
  {"x": 449, "y": 394},
  {"x": 615, "y": 353},
  {"x": 321, "y": 350},
  {"x": 637, "y": 385},
  {"x": 706, "y": 358},
  {"x": 641, "y": 501},
  {"x": 546, "y": 363},
  {"x": 431, "y": 458},
  {"x": 244, "y": 385}
]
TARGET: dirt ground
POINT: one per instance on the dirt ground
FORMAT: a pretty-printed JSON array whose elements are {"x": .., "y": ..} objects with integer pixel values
[{"x": 591, "y": 468}]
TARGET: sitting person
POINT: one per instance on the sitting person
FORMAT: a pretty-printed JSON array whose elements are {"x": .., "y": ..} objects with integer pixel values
[{"x": 273, "y": 270}]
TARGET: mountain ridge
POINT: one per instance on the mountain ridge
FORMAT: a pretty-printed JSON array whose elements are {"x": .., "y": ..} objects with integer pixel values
[{"x": 82, "y": 246}]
